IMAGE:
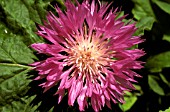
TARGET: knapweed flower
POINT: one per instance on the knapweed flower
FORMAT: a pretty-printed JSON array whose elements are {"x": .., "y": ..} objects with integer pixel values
[{"x": 90, "y": 55}]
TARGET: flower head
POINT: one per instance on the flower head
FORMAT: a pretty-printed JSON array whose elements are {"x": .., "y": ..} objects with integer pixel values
[{"x": 90, "y": 55}]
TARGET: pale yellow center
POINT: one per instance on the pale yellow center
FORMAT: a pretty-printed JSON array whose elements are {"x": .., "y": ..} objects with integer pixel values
[{"x": 88, "y": 55}]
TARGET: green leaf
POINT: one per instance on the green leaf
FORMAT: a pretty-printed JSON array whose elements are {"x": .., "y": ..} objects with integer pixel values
[
  {"x": 17, "y": 33},
  {"x": 143, "y": 12},
  {"x": 163, "y": 5},
  {"x": 157, "y": 62},
  {"x": 9, "y": 70},
  {"x": 14, "y": 57},
  {"x": 142, "y": 9},
  {"x": 51, "y": 110},
  {"x": 139, "y": 90},
  {"x": 14, "y": 50},
  {"x": 153, "y": 84},
  {"x": 167, "y": 110},
  {"x": 12, "y": 46},
  {"x": 130, "y": 100},
  {"x": 145, "y": 23},
  {"x": 21, "y": 16},
  {"x": 13, "y": 87},
  {"x": 22, "y": 105},
  {"x": 164, "y": 79},
  {"x": 166, "y": 37}
]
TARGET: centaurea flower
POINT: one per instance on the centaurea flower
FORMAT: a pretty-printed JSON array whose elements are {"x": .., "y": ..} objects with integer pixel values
[{"x": 90, "y": 55}]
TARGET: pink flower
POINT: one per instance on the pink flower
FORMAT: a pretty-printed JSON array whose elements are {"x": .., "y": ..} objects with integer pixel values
[{"x": 90, "y": 55}]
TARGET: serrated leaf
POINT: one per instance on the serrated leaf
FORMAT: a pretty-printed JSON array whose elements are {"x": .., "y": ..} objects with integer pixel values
[
  {"x": 153, "y": 84},
  {"x": 21, "y": 16},
  {"x": 14, "y": 50},
  {"x": 14, "y": 87},
  {"x": 9, "y": 70},
  {"x": 142, "y": 9},
  {"x": 158, "y": 62},
  {"x": 144, "y": 23},
  {"x": 22, "y": 105},
  {"x": 17, "y": 32},
  {"x": 163, "y": 5},
  {"x": 143, "y": 12},
  {"x": 14, "y": 57}
]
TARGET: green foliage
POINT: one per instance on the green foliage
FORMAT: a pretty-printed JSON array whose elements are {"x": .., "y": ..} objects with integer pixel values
[
  {"x": 14, "y": 57},
  {"x": 145, "y": 23},
  {"x": 154, "y": 85},
  {"x": 166, "y": 37},
  {"x": 167, "y": 110},
  {"x": 17, "y": 32},
  {"x": 22, "y": 105},
  {"x": 142, "y": 9},
  {"x": 21, "y": 15},
  {"x": 130, "y": 100},
  {"x": 12, "y": 52},
  {"x": 157, "y": 62},
  {"x": 143, "y": 12},
  {"x": 163, "y": 5},
  {"x": 153, "y": 23},
  {"x": 164, "y": 79}
]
